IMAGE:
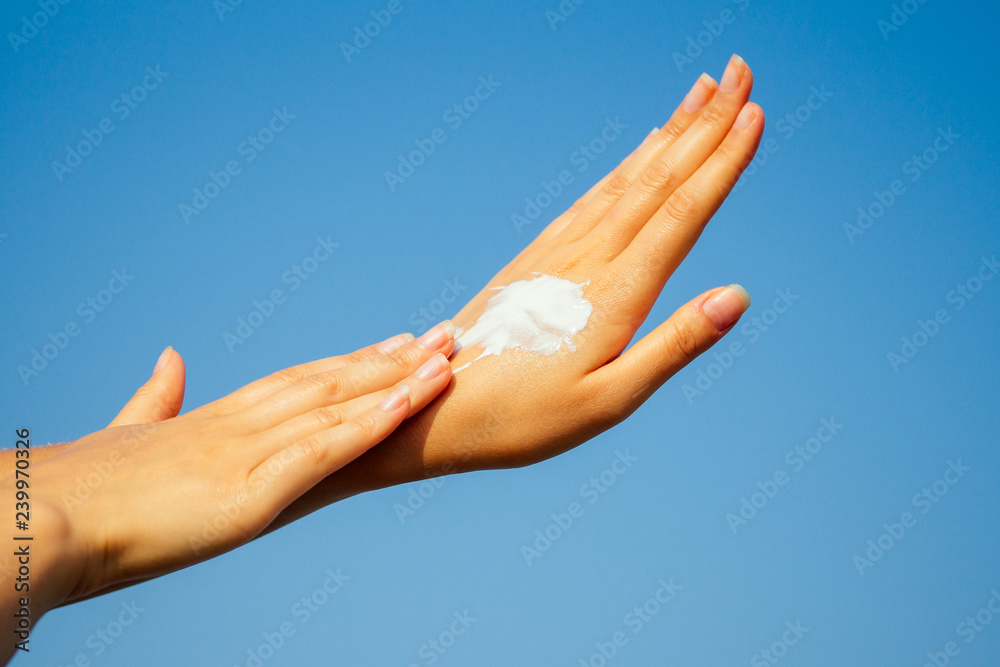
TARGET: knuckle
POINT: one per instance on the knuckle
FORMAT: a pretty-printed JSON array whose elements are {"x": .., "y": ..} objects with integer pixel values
[
  {"x": 368, "y": 424},
  {"x": 325, "y": 418},
  {"x": 672, "y": 131},
  {"x": 330, "y": 383},
  {"x": 616, "y": 186},
  {"x": 575, "y": 208},
  {"x": 399, "y": 362},
  {"x": 680, "y": 205},
  {"x": 684, "y": 342},
  {"x": 715, "y": 114},
  {"x": 288, "y": 376},
  {"x": 727, "y": 152},
  {"x": 313, "y": 451},
  {"x": 658, "y": 176}
]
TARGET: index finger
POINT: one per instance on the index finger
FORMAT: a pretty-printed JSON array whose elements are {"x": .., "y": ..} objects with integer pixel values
[{"x": 266, "y": 386}]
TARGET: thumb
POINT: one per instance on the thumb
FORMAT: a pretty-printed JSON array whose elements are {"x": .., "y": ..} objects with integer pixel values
[
  {"x": 692, "y": 329},
  {"x": 162, "y": 395}
]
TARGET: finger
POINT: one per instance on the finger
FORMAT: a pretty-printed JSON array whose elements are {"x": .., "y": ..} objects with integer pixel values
[
  {"x": 653, "y": 360},
  {"x": 675, "y": 165},
  {"x": 564, "y": 219},
  {"x": 659, "y": 248},
  {"x": 425, "y": 384},
  {"x": 161, "y": 397},
  {"x": 266, "y": 386},
  {"x": 541, "y": 242},
  {"x": 605, "y": 199},
  {"x": 289, "y": 473},
  {"x": 343, "y": 384}
]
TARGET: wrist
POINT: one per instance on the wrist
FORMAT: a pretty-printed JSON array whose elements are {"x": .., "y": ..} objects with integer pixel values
[{"x": 42, "y": 564}]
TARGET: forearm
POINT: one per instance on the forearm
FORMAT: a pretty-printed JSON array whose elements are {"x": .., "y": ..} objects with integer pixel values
[{"x": 38, "y": 568}]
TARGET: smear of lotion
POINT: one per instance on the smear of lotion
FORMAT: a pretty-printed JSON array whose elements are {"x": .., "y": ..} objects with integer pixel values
[{"x": 539, "y": 315}]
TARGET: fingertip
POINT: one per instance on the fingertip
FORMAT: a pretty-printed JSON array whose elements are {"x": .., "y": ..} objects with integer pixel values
[
  {"x": 164, "y": 359},
  {"x": 748, "y": 114},
  {"x": 433, "y": 367},
  {"x": 699, "y": 95},
  {"x": 439, "y": 336},
  {"x": 726, "y": 306}
]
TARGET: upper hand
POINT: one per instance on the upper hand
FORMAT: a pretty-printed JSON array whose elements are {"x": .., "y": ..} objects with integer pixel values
[{"x": 626, "y": 236}]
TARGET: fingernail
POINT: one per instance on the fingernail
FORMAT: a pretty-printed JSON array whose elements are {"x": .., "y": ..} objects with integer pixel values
[
  {"x": 747, "y": 114},
  {"x": 395, "y": 398},
  {"x": 394, "y": 343},
  {"x": 438, "y": 336},
  {"x": 433, "y": 367},
  {"x": 734, "y": 75},
  {"x": 164, "y": 358},
  {"x": 699, "y": 94},
  {"x": 726, "y": 307}
]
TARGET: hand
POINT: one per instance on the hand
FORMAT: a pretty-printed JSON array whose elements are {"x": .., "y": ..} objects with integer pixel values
[
  {"x": 626, "y": 236},
  {"x": 166, "y": 494}
]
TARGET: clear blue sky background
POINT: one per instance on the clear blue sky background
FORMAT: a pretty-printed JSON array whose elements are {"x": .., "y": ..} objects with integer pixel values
[{"x": 666, "y": 515}]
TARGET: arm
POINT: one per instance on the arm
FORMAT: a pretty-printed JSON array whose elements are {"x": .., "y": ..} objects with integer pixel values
[
  {"x": 626, "y": 236},
  {"x": 233, "y": 465}
]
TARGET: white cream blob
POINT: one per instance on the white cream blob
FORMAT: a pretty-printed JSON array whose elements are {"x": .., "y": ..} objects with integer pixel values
[{"x": 539, "y": 315}]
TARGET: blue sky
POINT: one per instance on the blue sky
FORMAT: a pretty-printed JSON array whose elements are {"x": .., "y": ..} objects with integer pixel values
[{"x": 902, "y": 125}]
